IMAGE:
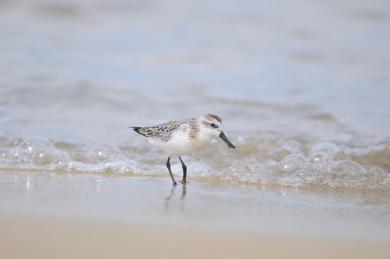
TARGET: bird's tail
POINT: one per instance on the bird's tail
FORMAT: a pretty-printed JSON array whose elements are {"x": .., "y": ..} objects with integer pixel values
[{"x": 139, "y": 130}]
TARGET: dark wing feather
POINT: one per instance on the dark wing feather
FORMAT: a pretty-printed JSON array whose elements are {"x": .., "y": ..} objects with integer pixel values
[{"x": 144, "y": 131}]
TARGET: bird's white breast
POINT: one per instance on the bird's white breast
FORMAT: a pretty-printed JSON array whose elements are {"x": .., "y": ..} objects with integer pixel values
[{"x": 180, "y": 143}]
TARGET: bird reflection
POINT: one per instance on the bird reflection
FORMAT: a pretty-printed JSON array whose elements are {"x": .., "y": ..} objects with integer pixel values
[
  {"x": 183, "y": 191},
  {"x": 98, "y": 184},
  {"x": 172, "y": 194},
  {"x": 28, "y": 183}
]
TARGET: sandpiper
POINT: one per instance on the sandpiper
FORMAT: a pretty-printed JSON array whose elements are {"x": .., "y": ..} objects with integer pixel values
[{"x": 178, "y": 138}]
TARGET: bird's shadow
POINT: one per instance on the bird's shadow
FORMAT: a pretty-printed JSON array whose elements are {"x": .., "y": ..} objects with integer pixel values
[{"x": 169, "y": 198}]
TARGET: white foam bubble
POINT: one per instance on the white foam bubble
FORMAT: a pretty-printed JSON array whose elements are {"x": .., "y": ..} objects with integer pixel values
[
  {"x": 104, "y": 152},
  {"x": 265, "y": 161}
]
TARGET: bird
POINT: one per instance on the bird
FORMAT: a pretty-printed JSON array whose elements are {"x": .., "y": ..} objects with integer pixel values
[{"x": 182, "y": 137}]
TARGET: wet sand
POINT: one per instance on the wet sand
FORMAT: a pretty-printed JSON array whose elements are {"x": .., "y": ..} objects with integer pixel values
[
  {"x": 45, "y": 237},
  {"x": 56, "y": 215}
]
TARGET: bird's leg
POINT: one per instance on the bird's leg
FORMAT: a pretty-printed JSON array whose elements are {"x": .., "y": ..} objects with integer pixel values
[
  {"x": 170, "y": 172},
  {"x": 184, "y": 170}
]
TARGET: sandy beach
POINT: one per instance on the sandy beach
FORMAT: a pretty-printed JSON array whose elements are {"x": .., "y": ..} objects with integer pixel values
[
  {"x": 94, "y": 216},
  {"x": 32, "y": 237}
]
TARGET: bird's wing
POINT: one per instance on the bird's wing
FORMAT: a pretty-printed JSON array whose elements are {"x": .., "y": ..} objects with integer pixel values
[{"x": 161, "y": 131}]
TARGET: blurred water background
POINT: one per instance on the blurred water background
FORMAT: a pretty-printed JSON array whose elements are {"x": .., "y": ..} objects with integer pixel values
[{"x": 303, "y": 87}]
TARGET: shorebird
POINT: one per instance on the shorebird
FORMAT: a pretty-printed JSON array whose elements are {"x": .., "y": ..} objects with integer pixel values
[{"x": 183, "y": 137}]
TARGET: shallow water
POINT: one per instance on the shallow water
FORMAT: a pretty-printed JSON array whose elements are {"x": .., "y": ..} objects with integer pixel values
[
  {"x": 148, "y": 201},
  {"x": 303, "y": 88}
]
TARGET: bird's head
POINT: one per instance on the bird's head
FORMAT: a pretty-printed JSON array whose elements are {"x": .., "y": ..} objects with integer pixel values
[{"x": 211, "y": 126}]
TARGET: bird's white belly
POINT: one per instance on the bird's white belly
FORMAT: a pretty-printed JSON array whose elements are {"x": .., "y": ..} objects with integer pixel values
[{"x": 178, "y": 144}]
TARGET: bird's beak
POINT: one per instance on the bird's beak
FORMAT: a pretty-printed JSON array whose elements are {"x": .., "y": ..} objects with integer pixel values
[{"x": 224, "y": 138}]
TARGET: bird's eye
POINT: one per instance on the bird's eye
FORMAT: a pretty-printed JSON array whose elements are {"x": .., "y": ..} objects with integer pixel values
[{"x": 214, "y": 125}]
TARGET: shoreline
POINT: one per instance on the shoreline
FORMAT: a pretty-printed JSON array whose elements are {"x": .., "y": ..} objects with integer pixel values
[
  {"x": 98, "y": 216},
  {"x": 151, "y": 200}
]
